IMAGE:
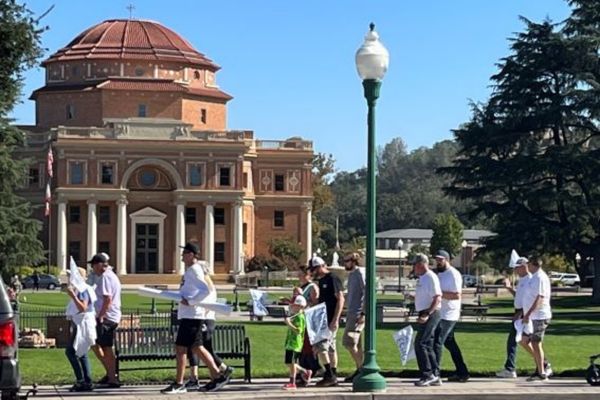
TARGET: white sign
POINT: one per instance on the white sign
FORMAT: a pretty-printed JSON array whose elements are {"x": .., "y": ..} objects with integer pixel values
[
  {"x": 316, "y": 324},
  {"x": 405, "y": 343}
]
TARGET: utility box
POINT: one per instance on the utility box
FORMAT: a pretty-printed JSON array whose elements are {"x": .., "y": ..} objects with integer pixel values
[{"x": 58, "y": 328}]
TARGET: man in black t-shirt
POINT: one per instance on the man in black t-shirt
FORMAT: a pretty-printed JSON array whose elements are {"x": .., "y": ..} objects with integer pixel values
[{"x": 331, "y": 292}]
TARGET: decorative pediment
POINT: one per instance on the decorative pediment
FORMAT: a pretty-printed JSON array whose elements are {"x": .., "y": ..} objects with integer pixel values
[{"x": 148, "y": 212}]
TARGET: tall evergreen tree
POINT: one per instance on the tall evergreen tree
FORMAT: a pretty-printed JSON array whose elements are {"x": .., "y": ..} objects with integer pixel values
[
  {"x": 529, "y": 156},
  {"x": 20, "y": 49}
]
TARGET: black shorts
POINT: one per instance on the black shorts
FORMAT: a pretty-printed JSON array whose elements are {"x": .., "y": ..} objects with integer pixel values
[
  {"x": 105, "y": 333},
  {"x": 291, "y": 356},
  {"x": 189, "y": 333}
]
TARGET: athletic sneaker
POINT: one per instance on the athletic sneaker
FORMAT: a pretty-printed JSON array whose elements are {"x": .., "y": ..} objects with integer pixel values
[
  {"x": 426, "y": 381},
  {"x": 548, "y": 369},
  {"x": 537, "y": 377},
  {"x": 215, "y": 384},
  {"x": 506, "y": 374},
  {"x": 289, "y": 386},
  {"x": 437, "y": 381},
  {"x": 192, "y": 384},
  {"x": 174, "y": 388},
  {"x": 228, "y": 372},
  {"x": 456, "y": 378}
]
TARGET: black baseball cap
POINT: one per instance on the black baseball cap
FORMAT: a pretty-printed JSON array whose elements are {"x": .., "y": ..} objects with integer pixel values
[
  {"x": 191, "y": 248},
  {"x": 98, "y": 258},
  {"x": 443, "y": 254}
]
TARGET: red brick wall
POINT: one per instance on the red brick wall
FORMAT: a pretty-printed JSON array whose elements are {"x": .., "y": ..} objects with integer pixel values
[
  {"x": 216, "y": 114},
  {"x": 264, "y": 226},
  {"x": 124, "y": 104},
  {"x": 51, "y": 109}
]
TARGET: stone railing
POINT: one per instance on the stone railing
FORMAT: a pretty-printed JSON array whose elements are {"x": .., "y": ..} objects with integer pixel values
[{"x": 293, "y": 144}]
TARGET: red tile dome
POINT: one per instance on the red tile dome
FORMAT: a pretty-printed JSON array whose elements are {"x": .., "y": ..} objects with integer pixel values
[{"x": 123, "y": 39}]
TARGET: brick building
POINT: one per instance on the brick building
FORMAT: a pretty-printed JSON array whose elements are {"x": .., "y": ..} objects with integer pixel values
[{"x": 144, "y": 162}]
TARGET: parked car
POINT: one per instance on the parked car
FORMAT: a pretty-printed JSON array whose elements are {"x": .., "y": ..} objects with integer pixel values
[
  {"x": 10, "y": 378},
  {"x": 49, "y": 282},
  {"x": 565, "y": 279}
]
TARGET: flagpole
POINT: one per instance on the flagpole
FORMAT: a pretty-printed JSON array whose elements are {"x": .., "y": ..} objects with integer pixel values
[{"x": 49, "y": 234}]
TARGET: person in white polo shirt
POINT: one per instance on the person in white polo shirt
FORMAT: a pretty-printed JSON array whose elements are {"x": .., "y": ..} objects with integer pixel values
[
  {"x": 451, "y": 285},
  {"x": 536, "y": 308},
  {"x": 427, "y": 306}
]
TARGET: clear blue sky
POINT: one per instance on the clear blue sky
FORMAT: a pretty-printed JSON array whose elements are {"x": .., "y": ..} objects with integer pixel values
[{"x": 290, "y": 64}]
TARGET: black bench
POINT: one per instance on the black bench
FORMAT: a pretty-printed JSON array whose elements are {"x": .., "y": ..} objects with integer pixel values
[{"x": 158, "y": 343}]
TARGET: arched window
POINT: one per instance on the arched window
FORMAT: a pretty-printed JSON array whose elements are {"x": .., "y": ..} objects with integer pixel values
[{"x": 196, "y": 75}]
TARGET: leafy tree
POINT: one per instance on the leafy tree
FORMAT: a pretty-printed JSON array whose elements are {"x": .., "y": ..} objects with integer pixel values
[
  {"x": 323, "y": 168},
  {"x": 529, "y": 157},
  {"x": 286, "y": 249},
  {"x": 447, "y": 234},
  {"x": 20, "y": 48}
]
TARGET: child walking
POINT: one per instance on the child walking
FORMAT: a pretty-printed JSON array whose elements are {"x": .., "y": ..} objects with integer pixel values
[{"x": 294, "y": 340}]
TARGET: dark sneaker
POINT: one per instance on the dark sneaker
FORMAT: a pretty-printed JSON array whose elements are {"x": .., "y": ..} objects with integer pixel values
[
  {"x": 328, "y": 381},
  {"x": 192, "y": 384},
  {"x": 215, "y": 384},
  {"x": 113, "y": 385},
  {"x": 228, "y": 372},
  {"x": 456, "y": 378},
  {"x": 174, "y": 388},
  {"x": 103, "y": 381},
  {"x": 426, "y": 381},
  {"x": 350, "y": 378},
  {"x": 537, "y": 377},
  {"x": 81, "y": 387}
]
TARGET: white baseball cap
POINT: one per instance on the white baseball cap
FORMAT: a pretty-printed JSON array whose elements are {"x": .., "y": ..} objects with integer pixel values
[{"x": 300, "y": 301}]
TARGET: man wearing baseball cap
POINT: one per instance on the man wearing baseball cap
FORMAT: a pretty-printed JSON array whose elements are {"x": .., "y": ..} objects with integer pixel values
[
  {"x": 427, "y": 306},
  {"x": 108, "y": 316},
  {"x": 331, "y": 292},
  {"x": 451, "y": 286},
  {"x": 521, "y": 268}
]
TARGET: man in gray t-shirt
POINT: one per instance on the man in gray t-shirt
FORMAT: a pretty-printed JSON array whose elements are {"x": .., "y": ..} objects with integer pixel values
[
  {"x": 355, "y": 312},
  {"x": 108, "y": 316}
]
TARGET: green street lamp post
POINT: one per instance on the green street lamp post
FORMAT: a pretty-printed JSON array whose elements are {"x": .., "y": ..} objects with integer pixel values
[{"x": 372, "y": 61}]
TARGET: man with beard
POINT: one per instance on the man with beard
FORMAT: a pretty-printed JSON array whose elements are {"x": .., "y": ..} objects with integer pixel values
[
  {"x": 331, "y": 292},
  {"x": 355, "y": 320},
  {"x": 451, "y": 285}
]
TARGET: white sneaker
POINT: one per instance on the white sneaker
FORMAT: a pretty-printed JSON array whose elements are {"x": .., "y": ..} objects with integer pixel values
[{"x": 506, "y": 374}]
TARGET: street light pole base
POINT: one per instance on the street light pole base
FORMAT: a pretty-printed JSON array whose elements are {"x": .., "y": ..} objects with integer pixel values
[{"x": 369, "y": 381}]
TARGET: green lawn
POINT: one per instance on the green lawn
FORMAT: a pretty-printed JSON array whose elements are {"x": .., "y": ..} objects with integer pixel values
[{"x": 572, "y": 337}]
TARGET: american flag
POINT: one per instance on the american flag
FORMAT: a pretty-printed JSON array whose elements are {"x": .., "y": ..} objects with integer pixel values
[
  {"x": 48, "y": 198},
  {"x": 49, "y": 162}
]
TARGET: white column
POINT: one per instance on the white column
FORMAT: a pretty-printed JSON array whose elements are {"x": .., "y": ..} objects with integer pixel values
[
  {"x": 308, "y": 245},
  {"x": 209, "y": 237},
  {"x": 91, "y": 229},
  {"x": 238, "y": 245},
  {"x": 179, "y": 236},
  {"x": 122, "y": 236},
  {"x": 61, "y": 237}
]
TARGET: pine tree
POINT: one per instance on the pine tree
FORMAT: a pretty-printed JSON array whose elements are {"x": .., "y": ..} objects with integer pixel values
[
  {"x": 529, "y": 156},
  {"x": 20, "y": 48}
]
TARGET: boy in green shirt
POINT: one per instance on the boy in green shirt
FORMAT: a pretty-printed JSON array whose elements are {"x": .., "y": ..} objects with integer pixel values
[{"x": 294, "y": 340}]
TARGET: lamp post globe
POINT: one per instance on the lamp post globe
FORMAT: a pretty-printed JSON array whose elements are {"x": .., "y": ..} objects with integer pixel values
[{"x": 372, "y": 60}]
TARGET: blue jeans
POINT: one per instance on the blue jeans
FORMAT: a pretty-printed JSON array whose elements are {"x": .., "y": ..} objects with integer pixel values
[
  {"x": 444, "y": 336},
  {"x": 511, "y": 349},
  {"x": 81, "y": 365},
  {"x": 424, "y": 346}
]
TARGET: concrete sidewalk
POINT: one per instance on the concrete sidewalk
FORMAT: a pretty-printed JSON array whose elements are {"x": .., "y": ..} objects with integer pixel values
[{"x": 265, "y": 389}]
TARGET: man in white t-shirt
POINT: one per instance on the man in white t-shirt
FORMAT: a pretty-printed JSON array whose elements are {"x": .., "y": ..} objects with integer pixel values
[
  {"x": 427, "y": 306},
  {"x": 536, "y": 308},
  {"x": 451, "y": 286},
  {"x": 191, "y": 320}
]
